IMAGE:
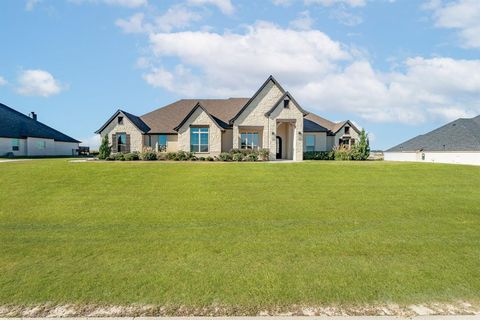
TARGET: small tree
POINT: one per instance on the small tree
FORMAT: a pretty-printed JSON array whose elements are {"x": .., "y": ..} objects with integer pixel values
[
  {"x": 362, "y": 148},
  {"x": 105, "y": 149}
]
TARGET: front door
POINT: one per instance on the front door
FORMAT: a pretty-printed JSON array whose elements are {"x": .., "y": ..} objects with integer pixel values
[{"x": 279, "y": 147}]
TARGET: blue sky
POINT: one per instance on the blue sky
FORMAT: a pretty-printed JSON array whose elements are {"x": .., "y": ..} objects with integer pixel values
[{"x": 397, "y": 68}]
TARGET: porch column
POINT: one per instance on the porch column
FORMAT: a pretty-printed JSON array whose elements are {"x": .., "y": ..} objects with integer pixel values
[{"x": 235, "y": 137}]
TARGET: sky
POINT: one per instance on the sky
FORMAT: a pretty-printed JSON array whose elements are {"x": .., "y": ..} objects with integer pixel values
[{"x": 397, "y": 68}]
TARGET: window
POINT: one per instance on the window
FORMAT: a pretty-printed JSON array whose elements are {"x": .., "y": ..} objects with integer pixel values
[
  {"x": 347, "y": 130},
  {"x": 344, "y": 142},
  {"x": 162, "y": 142},
  {"x": 121, "y": 142},
  {"x": 286, "y": 103},
  {"x": 310, "y": 143},
  {"x": 15, "y": 144},
  {"x": 249, "y": 140},
  {"x": 41, "y": 145},
  {"x": 352, "y": 142},
  {"x": 120, "y": 120},
  {"x": 199, "y": 139}
]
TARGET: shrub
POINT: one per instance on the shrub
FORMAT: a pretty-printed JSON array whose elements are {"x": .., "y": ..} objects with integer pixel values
[
  {"x": 225, "y": 156},
  {"x": 105, "y": 149},
  {"x": 209, "y": 158},
  {"x": 132, "y": 156},
  {"x": 148, "y": 154},
  {"x": 342, "y": 153},
  {"x": 110, "y": 158},
  {"x": 264, "y": 154},
  {"x": 361, "y": 150},
  {"x": 237, "y": 157},
  {"x": 251, "y": 157},
  {"x": 319, "y": 155},
  {"x": 193, "y": 158},
  {"x": 201, "y": 158},
  {"x": 171, "y": 156},
  {"x": 184, "y": 156},
  {"x": 119, "y": 156}
]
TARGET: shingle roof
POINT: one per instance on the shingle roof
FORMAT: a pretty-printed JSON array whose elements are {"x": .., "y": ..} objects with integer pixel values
[
  {"x": 14, "y": 124},
  {"x": 459, "y": 135},
  {"x": 133, "y": 118},
  {"x": 164, "y": 120}
]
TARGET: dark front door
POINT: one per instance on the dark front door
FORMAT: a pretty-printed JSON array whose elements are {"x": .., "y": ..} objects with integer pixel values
[{"x": 279, "y": 147}]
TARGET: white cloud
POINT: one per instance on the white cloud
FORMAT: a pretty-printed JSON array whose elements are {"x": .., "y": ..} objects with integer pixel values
[
  {"x": 37, "y": 83},
  {"x": 284, "y": 3},
  {"x": 346, "y": 18},
  {"x": 322, "y": 74},
  {"x": 176, "y": 17},
  {"x": 121, "y": 3},
  {"x": 30, "y": 4},
  {"x": 303, "y": 22},
  {"x": 2, "y": 81},
  {"x": 329, "y": 3},
  {"x": 461, "y": 15},
  {"x": 225, "y": 6}
]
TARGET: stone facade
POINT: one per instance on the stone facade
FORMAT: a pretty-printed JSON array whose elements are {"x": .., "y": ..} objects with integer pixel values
[
  {"x": 201, "y": 118},
  {"x": 136, "y": 136}
]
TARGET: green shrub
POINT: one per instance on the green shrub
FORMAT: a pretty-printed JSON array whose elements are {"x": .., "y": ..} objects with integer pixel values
[
  {"x": 201, "y": 158},
  {"x": 361, "y": 150},
  {"x": 171, "y": 156},
  {"x": 209, "y": 158},
  {"x": 319, "y": 155},
  {"x": 237, "y": 157},
  {"x": 105, "y": 149},
  {"x": 251, "y": 157},
  {"x": 264, "y": 154},
  {"x": 161, "y": 156},
  {"x": 110, "y": 158},
  {"x": 148, "y": 155},
  {"x": 132, "y": 156},
  {"x": 119, "y": 156},
  {"x": 193, "y": 158},
  {"x": 343, "y": 154},
  {"x": 225, "y": 156}
]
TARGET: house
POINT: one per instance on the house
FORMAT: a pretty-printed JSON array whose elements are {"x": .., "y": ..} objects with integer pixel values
[
  {"x": 21, "y": 135},
  {"x": 455, "y": 142},
  {"x": 270, "y": 119}
]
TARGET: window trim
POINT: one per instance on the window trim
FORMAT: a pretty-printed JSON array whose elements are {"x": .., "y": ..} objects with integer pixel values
[
  {"x": 200, "y": 138},
  {"x": 162, "y": 147},
  {"x": 252, "y": 146},
  {"x": 119, "y": 145},
  {"x": 16, "y": 145},
  {"x": 41, "y": 145},
  {"x": 306, "y": 142}
]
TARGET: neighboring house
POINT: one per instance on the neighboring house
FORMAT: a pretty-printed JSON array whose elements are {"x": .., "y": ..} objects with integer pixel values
[
  {"x": 455, "y": 142},
  {"x": 270, "y": 119},
  {"x": 21, "y": 135}
]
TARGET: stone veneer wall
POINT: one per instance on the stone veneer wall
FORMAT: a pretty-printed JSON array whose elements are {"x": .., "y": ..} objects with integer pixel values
[{"x": 136, "y": 136}]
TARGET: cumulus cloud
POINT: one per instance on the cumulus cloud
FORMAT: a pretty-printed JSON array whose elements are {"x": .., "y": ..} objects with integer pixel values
[
  {"x": 121, "y": 3},
  {"x": 2, "y": 81},
  {"x": 329, "y": 3},
  {"x": 461, "y": 15},
  {"x": 323, "y": 74},
  {"x": 38, "y": 83},
  {"x": 225, "y": 6},
  {"x": 30, "y": 4},
  {"x": 303, "y": 22}
]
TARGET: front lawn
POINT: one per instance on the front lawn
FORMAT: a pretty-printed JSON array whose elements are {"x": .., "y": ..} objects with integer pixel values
[{"x": 243, "y": 235}]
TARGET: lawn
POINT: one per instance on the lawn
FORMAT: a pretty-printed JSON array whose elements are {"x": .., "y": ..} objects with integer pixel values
[{"x": 243, "y": 235}]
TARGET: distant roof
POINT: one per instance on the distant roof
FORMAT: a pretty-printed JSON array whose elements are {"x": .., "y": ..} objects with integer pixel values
[
  {"x": 459, "y": 135},
  {"x": 14, "y": 124}
]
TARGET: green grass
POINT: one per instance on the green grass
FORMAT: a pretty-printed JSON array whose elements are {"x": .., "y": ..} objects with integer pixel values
[{"x": 245, "y": 235}]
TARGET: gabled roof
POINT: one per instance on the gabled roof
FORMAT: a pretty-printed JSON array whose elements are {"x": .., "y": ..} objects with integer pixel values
[
  {"x": 339, "y": 125},
  {"x": 133, "y": 118},
  {"x": 14, "y": 124},
  {"x": 459, "y": 135},
  {"x": 198, "y": 106},
  {"x": 166, "y": 119},
  {"x": 270, "y": 78},
  {"x": 285, "y": 95}
]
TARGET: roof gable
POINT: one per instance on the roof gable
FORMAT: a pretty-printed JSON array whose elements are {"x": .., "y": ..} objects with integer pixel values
[
  {"x": 14, "y": 124},
  {"x": 270, "y": 78},
  {"x": 137, "y": 122},
  {"x": 285, "y": 95},
  {"x": 192, "y": 112}
]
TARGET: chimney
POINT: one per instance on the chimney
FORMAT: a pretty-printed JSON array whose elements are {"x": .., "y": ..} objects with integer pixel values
[{"x": 33, "y": 115}]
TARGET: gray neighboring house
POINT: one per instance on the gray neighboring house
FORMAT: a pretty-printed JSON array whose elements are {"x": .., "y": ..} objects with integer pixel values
[
  {"x": 455, "y": 142},
  {"x": 21, "y": 135},
  {"x": 271, "y": 119}
]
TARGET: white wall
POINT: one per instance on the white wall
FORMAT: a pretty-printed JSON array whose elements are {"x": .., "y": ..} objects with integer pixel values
[
  {"x": 6, "y": 147},
  {"x": 435, "y": 157},
  {"x": 65, "y": 148},
  {"x": 320, "y": 140}
]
